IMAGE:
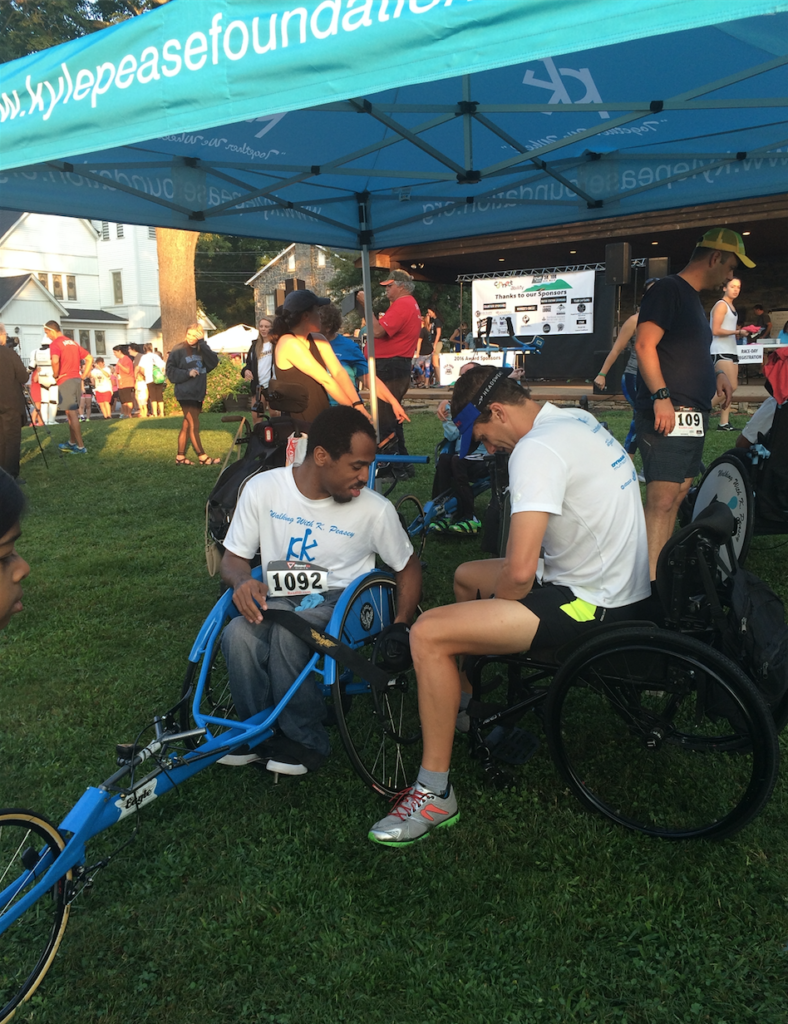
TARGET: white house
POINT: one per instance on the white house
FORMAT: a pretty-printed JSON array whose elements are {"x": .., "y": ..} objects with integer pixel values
[{"x": 99, "y": 280}]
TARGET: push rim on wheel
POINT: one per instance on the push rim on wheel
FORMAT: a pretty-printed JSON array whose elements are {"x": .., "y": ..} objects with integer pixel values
[
  {"x": 411, "y": 515},
  {"x": 662, "y": 734},
  {"x": 28, "y": 845},
  {"x": 380, "y": 731}
]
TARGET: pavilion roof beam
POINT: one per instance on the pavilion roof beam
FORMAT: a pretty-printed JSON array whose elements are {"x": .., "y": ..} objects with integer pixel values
[
  {"x": 644, "y": 106},
  {"x": 491, "y": 126},
  {"x": 656, "y": 106}
]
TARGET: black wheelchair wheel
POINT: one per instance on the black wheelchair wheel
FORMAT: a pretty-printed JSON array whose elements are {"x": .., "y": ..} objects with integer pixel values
[
  {"x": 662, "y": 734},
  {"x": 411, "y": 515},
  {"x": 28, "y": 843},
  {"x": 728, "y": 480},
  {"x": 379, "y": 726}
]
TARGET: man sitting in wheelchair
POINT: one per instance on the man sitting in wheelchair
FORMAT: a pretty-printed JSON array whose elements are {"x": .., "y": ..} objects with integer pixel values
[
  {"x": 322, "y": 520},
  {"x": 574, "y": 493}
]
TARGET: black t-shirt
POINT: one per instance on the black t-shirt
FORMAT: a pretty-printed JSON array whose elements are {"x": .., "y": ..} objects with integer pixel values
[
  {"x": 425, "y": 345},
  {"x": 436, "y": 323},
  {"x": 683, "y": 350}
]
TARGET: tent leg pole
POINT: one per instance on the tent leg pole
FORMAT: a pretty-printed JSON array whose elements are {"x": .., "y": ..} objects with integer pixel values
[{"x": 367, "y": 287}]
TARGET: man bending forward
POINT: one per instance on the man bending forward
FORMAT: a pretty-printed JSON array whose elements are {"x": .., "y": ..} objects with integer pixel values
[{"x": 574, "y": 492}]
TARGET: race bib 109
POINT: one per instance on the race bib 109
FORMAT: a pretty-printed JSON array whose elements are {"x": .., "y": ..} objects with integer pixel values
[
  {"x": 294, "y": 579},
  {"x": 689, "y": 423}
]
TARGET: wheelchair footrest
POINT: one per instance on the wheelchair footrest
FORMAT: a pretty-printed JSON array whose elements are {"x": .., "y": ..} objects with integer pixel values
[{"x": 512, "y": 746}]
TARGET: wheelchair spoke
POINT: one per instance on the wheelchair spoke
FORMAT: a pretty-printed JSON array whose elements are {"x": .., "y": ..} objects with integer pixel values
[
  {"x": 29, "y": 845},
  {"x": 379, "y": 726},
  {"x": 662, "y": 734}
]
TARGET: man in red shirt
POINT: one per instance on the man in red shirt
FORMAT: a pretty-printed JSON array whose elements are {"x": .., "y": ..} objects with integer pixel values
[
  {"x": 67, "y": 369},
  {"x": 397, "y": 336}
]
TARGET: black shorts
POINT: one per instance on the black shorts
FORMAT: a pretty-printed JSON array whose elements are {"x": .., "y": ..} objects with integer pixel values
[
  {"x": 724, "y": 355},
  {"x": 563, "y": 617},
  {"x": 125, "y": 395},
  {"x": 671, "y": 459},
  {"x": 187, "y": 405}
]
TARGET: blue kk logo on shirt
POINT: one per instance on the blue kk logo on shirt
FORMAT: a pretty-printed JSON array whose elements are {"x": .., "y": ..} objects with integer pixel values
[{"x": 301, "y": 554}]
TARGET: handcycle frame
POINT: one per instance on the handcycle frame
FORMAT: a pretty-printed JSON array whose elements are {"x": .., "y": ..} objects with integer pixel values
[{"x": 123, "y": 794}]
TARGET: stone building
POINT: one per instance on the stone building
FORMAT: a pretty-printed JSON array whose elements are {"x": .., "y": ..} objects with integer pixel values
[{"x": 297, "y": 266}]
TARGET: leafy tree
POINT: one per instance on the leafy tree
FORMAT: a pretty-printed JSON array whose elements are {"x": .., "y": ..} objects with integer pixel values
[
  {"x": 443, "y": 299},
  {"x": 223, "y": 263},
  {"x": 27, "y": 26}
]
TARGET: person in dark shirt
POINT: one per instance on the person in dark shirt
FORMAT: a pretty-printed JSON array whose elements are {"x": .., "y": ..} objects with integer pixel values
[
  {"x": 676, "y": 376},
  {"x": 188, "y": 366}
]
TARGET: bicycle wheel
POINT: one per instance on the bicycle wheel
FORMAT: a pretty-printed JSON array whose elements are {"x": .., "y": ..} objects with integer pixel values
[
  {"x": 662, "y": 734},
  {"x": 28, "y": 846},
  {"x": 728, "y": 481},
  {"x": 379, "y": 726},
  {"x": 411, "y": 515}
]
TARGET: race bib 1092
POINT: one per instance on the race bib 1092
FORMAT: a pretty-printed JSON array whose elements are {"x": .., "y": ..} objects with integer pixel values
[{"x": 294, "y": 579}]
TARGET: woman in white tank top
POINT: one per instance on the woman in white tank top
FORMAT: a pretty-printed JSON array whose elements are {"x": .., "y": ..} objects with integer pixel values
[{"x": 725, "y": 328}]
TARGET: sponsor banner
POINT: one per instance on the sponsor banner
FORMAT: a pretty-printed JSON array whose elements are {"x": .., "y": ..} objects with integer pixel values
[
  {"x": 750, "y": 353},
  {"x": 452, "y": 362},
  {"x": 542, "y": 304}
]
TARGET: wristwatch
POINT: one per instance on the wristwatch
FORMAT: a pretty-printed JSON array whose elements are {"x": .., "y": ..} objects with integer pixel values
[{"x": 662, "y": 393}]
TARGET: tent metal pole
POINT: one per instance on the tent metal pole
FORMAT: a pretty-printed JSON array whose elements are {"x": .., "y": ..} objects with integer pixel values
[{"x": 367, "y": 286}]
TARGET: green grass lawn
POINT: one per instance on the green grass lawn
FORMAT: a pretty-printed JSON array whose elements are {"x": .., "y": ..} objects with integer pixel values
[{"x": 244, "y": 901}]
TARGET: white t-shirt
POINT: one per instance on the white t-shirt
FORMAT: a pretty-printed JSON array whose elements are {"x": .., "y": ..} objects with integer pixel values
[
  {"x": 761, "y": 420},
  {"x": 264, "y": 363},
  {"x": 274, "y": 516},
  {"x": 595, "y": 542}
]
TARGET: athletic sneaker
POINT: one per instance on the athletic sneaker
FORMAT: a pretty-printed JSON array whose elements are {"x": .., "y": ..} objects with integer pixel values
[
  {"x": 439, "y": 526},
  {"x": 67, "y": 446},
  {"x": 725, "y": 426},
  {"x": 414, "y": 814},
  {"x": 76, "y": 450},
  {"x": 471, "y": 526},
  {"x": 286, "y": 757}
]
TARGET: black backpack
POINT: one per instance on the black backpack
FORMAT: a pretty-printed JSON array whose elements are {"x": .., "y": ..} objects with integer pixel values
[
  {"x": 260, "y": 455},
  {"x": 758, "y": 639}
]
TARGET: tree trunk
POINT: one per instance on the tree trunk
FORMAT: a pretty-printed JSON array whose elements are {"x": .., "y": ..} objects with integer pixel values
[{"x": 177, "y": 291}]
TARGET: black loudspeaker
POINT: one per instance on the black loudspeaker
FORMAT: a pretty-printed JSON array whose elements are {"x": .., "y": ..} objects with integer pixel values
[
  {"x": 618, "y": 263},
  {"x": 659, "y": 266}
]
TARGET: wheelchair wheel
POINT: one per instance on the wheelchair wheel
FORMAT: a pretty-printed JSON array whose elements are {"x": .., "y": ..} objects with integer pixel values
[
  {"x": 661, "y": 733},
  {"x": 28, "y": 845},
  {"x": 216, "y": 697},
  {"x": 379, "y": 726},
  {"x": 411, "y": 515},
  {"x": 727, "y": 480}
]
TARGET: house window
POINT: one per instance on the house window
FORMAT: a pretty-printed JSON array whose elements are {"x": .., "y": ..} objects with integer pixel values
[
  {"x": 84, "y": 340},
  {"x": 119, "y": 231},
  {"x": 152, "y": 234},
  {"x": 105, "y": 231},
  {"x": 291, "y": 261},
  {"x": 270, "y": 305},
  {"x": 71, "y": 287},
  {"x": 69, "y": 333},
  {"x": 44, "y": 279},
  {"x": 117, "y": 287},
  {"x": 321, "y": 258},
  {"x": 101, "y": 344},
  {"x": 57, "y": 286}
]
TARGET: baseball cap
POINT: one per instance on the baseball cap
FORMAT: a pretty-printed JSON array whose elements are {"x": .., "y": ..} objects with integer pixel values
[
  {"x": 301, "y": 301},
  {"x": 397, "y": 277},
  {"x": 727, "y": 241}
]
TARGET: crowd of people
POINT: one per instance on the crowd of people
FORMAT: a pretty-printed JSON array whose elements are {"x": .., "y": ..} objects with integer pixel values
[{"x": 575, "y": 500}]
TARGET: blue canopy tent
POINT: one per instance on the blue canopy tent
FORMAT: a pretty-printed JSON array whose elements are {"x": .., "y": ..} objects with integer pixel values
[{"x": 374, "y": 123}]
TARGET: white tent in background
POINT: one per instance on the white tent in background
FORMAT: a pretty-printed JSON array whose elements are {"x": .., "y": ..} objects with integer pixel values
[{"x": 234, "y": 340}]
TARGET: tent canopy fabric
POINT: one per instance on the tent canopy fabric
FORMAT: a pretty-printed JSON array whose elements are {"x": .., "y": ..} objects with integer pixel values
[
  {"x": 234, "y": 339},
  {"x": 378, "y": 123}
]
